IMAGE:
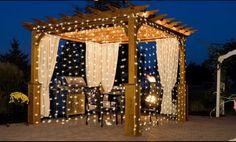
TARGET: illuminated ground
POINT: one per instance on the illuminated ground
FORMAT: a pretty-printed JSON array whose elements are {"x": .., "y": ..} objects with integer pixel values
[{"x": 197, "y": 128}]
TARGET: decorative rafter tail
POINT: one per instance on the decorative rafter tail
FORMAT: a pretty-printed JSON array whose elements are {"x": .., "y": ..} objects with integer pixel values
[
  {"x": 94, "y": 10},
  {"x": 148, "y": 13},
  {"x": 139, "y": 8},
  {"x": 180, "y": 27},
  {"x": 51, "y": 19},
  {"x": 77, "y": 10},
  {"x": 183, "y": 30},
  {"x": 188, "y": 29},
  {"x": 28, "y": 25},
  {"x": 63, "y": 16},
  {"x": 172, "y": 24},
  {"x": 167, "y": 20},
  {"x": 38, "y": 21},
  {"x": 158, "y": 17},
  {"x": 112, "y": 8},
  {"x": 193, "y": 31},
  {"x": 189, "y": 32}
]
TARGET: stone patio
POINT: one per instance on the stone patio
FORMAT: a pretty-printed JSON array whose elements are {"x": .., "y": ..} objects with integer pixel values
[{"x": 198, "y": 128}]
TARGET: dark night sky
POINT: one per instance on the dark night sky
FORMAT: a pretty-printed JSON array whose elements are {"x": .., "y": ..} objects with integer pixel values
[{"x": 215, "y": 21}]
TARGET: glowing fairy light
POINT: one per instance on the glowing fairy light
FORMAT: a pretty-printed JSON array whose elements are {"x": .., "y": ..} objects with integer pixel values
[
  {"x": 74, "y": 65},
  {"x": 151, "y": 99}
]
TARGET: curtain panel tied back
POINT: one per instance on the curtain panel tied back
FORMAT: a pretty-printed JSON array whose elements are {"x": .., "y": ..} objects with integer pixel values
[
  {"x": 48, "y": 48},
  {"x": 167, "y": 60}
]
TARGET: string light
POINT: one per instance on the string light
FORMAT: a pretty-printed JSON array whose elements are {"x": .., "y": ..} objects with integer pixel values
[{"x": 86, "y": 30}]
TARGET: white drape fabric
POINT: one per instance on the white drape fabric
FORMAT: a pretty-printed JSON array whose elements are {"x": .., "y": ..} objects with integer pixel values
[
  {"x": 93, "y": 63},
  {"x": 167, "y": 61},
  {"x": 48, "y": 48},
  {"x": 101, "y": 63},
  {"x": 109, "y": 64}
]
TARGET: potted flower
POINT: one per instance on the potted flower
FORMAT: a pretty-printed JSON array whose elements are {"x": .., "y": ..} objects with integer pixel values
[{"x": 18, "y": 102}]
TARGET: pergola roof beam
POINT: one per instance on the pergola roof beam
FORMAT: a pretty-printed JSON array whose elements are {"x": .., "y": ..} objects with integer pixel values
[
  {"x": 161, "y": 27},
  {"x": 82, "y": 21},
  {"x": 84, "y": 26}
]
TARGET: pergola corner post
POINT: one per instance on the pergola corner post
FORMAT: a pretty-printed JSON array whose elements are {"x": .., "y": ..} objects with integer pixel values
[
  {"x": 182, "y": 92},
  {"x": 34, "y": 86},
  {"x": 132, "y": 97}
]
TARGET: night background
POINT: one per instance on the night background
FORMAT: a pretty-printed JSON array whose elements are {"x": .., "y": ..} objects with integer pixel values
[
  {"x": 214, "y": 20},
  {"x": 216, "y": 35}
]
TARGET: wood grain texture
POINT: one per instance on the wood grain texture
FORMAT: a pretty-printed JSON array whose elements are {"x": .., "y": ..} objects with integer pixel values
[
  {"x": 34, "y": 85},
  {"x": 182, "y": 102},
  {"x": 132, "y": 100}
]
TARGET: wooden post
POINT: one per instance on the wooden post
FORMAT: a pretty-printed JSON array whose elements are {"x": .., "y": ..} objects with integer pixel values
[
  {"x": 34, "y": 85},
  {"x": 132, "y": 97},
  {"x": 182, "y": 107}
]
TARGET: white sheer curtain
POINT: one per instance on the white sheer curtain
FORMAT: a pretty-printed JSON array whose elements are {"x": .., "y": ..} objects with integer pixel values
[
  {"x": 48, "y": 48},
  {"x": 109, "y": 63},
  {"x": 101, "y": 62},
  {"x": 167, "y": 60},
  {"x": 93, "y": 63}
]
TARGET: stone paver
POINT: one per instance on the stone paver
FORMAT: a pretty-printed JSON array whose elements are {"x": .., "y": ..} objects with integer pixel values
[{"x": 198, "y": 128}]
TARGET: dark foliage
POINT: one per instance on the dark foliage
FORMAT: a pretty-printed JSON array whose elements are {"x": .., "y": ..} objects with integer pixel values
[
  {"x": 197, "y": 74},
  {"x": 16, "y": 56},
  {"x": 202, "y": 78},
  {"x": 16, "y": 73},
  {"x": 228, "y": 66},
  {"x": 102, "y": 5},
  {"x": 14, "y": 76}
]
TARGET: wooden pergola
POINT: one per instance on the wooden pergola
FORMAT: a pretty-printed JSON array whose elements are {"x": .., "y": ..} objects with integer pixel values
[{"x": 127, "y": 25}]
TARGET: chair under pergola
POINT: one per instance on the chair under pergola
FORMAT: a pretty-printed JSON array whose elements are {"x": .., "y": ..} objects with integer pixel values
[{"x": 126, "y": 25}]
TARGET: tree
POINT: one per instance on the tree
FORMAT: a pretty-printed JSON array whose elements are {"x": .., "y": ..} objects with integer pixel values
[
  {"x": 229, "y": 65},
  {"x": 197, "y": 74},
  {"x": 200, "y": 87},
  {"x": 103, "y": 4},
  {"x": 11, "y": 78},
  {"x": 16, "y": 56}
]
